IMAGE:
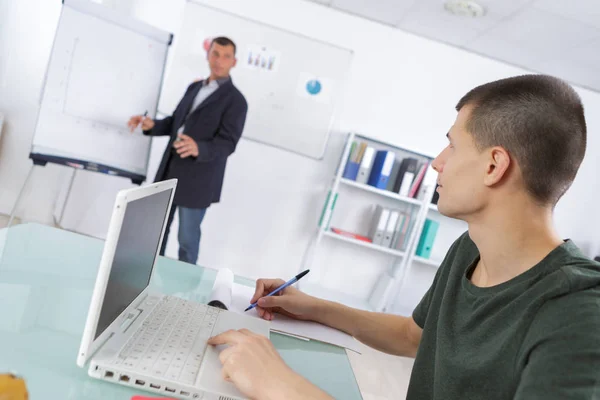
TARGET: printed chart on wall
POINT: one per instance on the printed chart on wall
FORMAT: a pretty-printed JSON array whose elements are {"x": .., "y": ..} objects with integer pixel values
[
  {"x": 103, "y": 69},
  {"x": 293, "y": 84}
]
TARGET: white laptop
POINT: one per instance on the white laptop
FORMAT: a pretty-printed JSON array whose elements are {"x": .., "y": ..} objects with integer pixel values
[{"x": 147, "y": 340}]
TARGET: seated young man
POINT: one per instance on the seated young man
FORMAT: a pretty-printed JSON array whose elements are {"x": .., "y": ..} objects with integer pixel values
[{"x": 514, "y": 310}]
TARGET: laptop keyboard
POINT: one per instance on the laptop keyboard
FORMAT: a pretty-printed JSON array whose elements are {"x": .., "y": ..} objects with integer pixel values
[{"x": 170, "y": 343}]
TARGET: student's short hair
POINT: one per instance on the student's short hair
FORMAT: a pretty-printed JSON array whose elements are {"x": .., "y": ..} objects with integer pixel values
[
  {"x": 224, "y": 41},
  {"x": 540, "y": 121}
]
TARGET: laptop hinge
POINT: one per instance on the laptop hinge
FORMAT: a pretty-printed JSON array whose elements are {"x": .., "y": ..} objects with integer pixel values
[{"x": 129, "y": 319}]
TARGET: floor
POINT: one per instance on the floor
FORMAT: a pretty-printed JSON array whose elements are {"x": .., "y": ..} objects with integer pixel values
[{"x": 379, "y": 376}]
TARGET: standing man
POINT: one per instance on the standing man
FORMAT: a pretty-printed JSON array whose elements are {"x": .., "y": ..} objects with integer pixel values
[{"x": 204, "y": 129}]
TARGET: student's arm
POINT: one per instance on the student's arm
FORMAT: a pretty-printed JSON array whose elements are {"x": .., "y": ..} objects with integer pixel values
[
  {"x": 254, "y": 366},
  {"x": 561, "y": 353},
  {"x": 389, "y": 333}
]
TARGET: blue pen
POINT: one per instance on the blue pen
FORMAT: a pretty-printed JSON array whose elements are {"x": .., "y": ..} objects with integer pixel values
[{"x": 280, "y": 288}]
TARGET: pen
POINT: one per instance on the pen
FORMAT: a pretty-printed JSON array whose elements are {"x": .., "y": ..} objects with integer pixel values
[{"x": 280, "y": 288}]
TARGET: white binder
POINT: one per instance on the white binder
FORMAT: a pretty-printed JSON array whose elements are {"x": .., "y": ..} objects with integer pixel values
[
  {"x": 379, "y": 224},
  {"x": 365, "y": 165},
  {"x": 389, "y": 229}
]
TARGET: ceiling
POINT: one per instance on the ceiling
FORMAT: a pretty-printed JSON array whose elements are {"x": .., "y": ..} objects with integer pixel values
[{"x": 556, "y": 37}]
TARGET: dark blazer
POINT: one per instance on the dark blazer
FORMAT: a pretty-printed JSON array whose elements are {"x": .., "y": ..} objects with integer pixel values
[{"x": 216, "y": 125}]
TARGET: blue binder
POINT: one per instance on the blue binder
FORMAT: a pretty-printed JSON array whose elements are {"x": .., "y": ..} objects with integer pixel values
[
  {"x": 351, "y": 170},
  {"x": 382, "y": 168}
]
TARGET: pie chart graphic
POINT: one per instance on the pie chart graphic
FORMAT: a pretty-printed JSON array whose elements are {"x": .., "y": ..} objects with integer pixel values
[{"x": 313, "y": 87}]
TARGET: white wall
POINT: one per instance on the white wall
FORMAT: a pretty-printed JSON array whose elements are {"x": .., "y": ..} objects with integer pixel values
[{"x": 401, "y": 89}]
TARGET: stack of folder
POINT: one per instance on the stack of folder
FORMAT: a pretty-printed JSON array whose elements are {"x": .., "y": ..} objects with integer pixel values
[
  {"x": 391, "y": 227},
  {"x": 384, "y": 170}
]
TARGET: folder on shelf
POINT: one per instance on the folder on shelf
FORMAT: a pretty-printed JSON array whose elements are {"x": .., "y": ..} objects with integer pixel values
[
  {"x": 402, "y": 231},
  {"x": 382, "y": 169},
  {"x": 414, "y": 188},
  {"x": 411, "y": 223},
  {"x": 379, "y": 224},
  {"x": 389, "y": 229},
  {"x": 325, "y": 207},
  {"x": 351, "y": 169},
  {"x": 393, "y": 176},
  {"x": 398, "y": 228},
  {"x": 365, "y": 165},
  {"x": 406, "y": 175},
  {"x": 427, "y": 238}
]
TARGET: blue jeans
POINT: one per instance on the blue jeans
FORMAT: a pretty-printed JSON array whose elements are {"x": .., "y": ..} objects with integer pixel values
[{"x": 189, "y": 232}]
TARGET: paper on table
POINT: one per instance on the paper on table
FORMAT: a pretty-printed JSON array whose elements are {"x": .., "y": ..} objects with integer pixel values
[
  {"x": 241, "y": 296},
  {"x": 220, "y": 295}
]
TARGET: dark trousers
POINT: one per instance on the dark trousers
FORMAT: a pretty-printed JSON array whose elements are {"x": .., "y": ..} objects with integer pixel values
[{"x": 189, "y": 233}]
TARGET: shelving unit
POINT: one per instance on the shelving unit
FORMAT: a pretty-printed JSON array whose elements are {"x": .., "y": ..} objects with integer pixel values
[
  {"x": 381, "y": 293},
  {"x": 426, "y": 261},
  {"x": 381, "y": 192},
  {"x": 368, "y": 245}
]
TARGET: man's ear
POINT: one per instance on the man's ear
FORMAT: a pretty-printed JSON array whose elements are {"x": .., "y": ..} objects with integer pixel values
[{"x": 498, "y": 164}]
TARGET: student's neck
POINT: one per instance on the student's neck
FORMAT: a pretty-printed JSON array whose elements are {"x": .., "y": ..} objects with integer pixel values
[{"x": 511, "y": 240}]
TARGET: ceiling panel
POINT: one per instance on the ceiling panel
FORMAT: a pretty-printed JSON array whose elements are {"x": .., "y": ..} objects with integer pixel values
[
  {"x": 500, "y": 49},
  {"x": 501, "y": 9},
  {"x": 560, "y": 37},
  {"x": 537, "y": 29},
  {"x": 430, "y": 19},
  {"x": 389, "y": 12},
  {"x": 325, "y": 2},
  {"x": 586, "y": 11},
  {"x": 440, "y": 30},
  {"x": 572, "y": 71}
]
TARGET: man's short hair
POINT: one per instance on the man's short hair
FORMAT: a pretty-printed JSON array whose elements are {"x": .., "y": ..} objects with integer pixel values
[
  {"x": 540, "y": 121},
  {"x": 224, "y": 41}
]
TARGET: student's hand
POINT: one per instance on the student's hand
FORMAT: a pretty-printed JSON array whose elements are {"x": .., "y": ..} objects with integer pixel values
[
  {"x": 186, "y": 146},
  {"x": 290, "y": 301},
  {"x": 147, "y": 122},
  {"x": 254, "y": 366}
]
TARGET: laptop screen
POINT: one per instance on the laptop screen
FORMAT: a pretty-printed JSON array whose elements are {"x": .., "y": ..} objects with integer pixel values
[{"x": 134, "y": 255}]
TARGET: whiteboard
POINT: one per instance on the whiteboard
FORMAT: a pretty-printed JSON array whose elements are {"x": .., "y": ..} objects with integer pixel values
[
  {"x": 104, "y": 68},
  {"x": 292, "y": 83}
]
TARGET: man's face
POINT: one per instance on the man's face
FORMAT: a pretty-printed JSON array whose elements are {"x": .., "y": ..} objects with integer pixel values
[
  {"x": 461, "y": 171},
  {"x": 221, "y": 59}
]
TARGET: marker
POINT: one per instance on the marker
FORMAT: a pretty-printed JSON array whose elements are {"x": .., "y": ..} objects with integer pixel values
[{"x": 280, "y": 288}]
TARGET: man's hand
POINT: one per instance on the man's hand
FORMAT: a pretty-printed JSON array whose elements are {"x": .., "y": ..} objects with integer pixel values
[
  {"x": 254, "y": 366},
  {"x": 186, "y": 146},
  {"x": 290, "y": 301},
  {"x": 147, "y": 122}
]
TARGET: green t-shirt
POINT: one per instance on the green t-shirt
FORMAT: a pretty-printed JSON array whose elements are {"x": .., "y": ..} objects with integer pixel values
[{"x": 536, "y": 336}]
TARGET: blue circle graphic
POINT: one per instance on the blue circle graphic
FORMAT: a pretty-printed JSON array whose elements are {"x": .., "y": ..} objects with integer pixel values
[{"x": 313, "y": 87}]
